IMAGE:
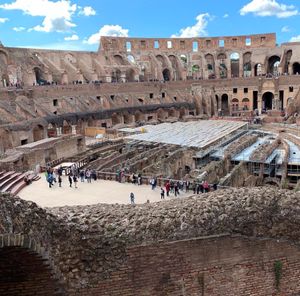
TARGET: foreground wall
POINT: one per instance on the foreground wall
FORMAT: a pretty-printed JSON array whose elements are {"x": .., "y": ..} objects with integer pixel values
[{"x": 222, "y": 243}]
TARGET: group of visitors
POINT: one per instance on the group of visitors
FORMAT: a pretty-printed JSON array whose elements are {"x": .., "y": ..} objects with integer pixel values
[{"x": 74, "y": 174}]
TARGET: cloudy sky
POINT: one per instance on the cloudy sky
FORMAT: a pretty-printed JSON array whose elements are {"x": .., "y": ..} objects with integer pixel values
[{"x": 78, "y": 24}]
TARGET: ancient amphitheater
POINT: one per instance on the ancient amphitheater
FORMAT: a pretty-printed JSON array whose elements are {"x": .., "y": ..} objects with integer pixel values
[{"x": 222, "y": 110}]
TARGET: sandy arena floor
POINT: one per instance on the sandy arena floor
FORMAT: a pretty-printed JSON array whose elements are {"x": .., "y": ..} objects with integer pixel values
[{"x": 99, "y": 191}]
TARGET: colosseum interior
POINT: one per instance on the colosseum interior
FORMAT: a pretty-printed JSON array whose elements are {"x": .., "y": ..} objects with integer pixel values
[{"x": 222, "y": 110}]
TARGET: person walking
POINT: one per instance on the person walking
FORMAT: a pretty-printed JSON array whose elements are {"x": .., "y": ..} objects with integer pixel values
[
  {"x": 162, "y": 193},
  {"x": 132, "y": 198},
  {"x": 167, "y": 188},
  {"x": 59, "y": 180},
  {"x": 70, "y": 180},
  {"x": 75, "y": 180}
]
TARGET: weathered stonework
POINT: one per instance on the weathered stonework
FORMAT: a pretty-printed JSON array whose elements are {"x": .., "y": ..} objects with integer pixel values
[{"x": 195, "y": 245}]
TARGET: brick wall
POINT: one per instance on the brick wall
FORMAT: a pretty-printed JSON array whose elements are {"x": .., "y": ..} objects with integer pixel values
[{"x": 213, "y": 266}]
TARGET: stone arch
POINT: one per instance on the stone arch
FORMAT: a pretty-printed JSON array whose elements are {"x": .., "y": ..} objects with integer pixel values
[
  {"x": 172, "y": 112},
  {"x": 161, "y": 60},
  {"x": 119, "y": 60},
  {"x": 139, "y": 116},
  {"x": 90, "y": 122},
  {"x": 51, "y": 130},
  {"x": 246, "y": 104},
  {"x": 128, "y": 118},
  {"x": 66, "y": 128},
  {"x": 161, "y": 114},
  {"x": 273, "y": 64},
  {"x": 116, "y": 119},
  {"x": 258, "y": 69},
  {"x": 80, "y": 126},
  {"x": 39, "y": 75},
  {"x": 196, "y": 71},
  {"x": 272, "y": 181},
  {"x": 175, "y": 66},
  {"x": 38, "y": 133},
  {"x": 247, "y": 68},
  {"x": 166, "y": 74},
  {"x": 222, "y": 65},
  {"x": 182, "y": 113},
  {"x": 225, "y": 104},
  {"x": 116, "y": 75},
  {"x": 130, "y": 75},
  {"x": 235, "y": 64},
  {"x": 267, "y": 100},
  {"x": 235, "y": 104},
  {"x": 184, "y": 59},
  {"x": 131, "y": 59},
  {"x": 210, "y": 63},
  {"x": 296, "y": 68},
  {"x": 25, "y": 267}
]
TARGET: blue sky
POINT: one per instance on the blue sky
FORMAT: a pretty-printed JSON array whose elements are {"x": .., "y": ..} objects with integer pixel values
[{"x": 77, "y": 24}]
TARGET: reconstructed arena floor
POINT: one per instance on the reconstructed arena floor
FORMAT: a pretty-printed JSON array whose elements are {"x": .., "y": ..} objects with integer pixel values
[{"x": 99, "y": 191}]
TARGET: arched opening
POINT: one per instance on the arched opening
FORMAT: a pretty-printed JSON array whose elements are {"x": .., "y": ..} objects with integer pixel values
[
  {"x": 235, "y": 104},
  {"x": 161, "y": 114},
  {"x": 296, "y": 69},
  {"x": 273, "y": 64},
  {"x": 172, "y": 112},
  {"x": 210, "y": 66},
  {"x": 138, "y": 117},
  {"x": 267, "y": 101},
  {"x": 23, "y": 272},
  {"x": 196, "y": 71},
  {"x": 127, "y": 118},
  {"x": 258, "y": 70},
  {"x": 235, "y": 64},
  {"x": 224, "y": 104},
  {"x": 246, "y": 104},
  {"x": 38, "y": 133},
  {"x": 131, "y": 59},
  {"x": 183, "y": 59},
  {"x": 51, "y": 130},
  {"x": 39, "y": 78},
  {"x": 175, "y": 67},
  {"x": 182, "y": 113},
  {"x": 166, "y": 74},
  {"x": 130, "y": 75},
  {"x": 116, "y": 119},
  {"x": 222, "y": 66},
  {"x": 67, "y": 128},
  {"x": 247, "y": 64},
  {"x": 119, "y": 60},
  {"x": 116, "y": 76}
]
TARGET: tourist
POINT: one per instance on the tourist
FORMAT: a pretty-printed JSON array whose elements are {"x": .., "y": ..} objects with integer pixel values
[
  {"x": 171, "y": 186},
  {"x": 59, "y": 180},
  {"x": 187, "y": 186},
  {"x": 132, "y": 198},
  {"x": 215, "y": 186},
  {"x": 81, "y": 175},
  {"x": 70, "y": 180},
  {"x": 75, "y": 180},
  {"x": 167, "y": 186},
  {"x": 162, "y": 193},
  {"x": 205, "y": 186},
  {"x": 88, "y": 176},
  {"x": 50, "y": 179},
  {"x": 176, "y": 189},
  {"x": 139, "y": 179}
]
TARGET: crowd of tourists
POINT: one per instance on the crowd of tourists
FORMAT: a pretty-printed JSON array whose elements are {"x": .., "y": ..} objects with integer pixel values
[{"x": 74, "y": 174}]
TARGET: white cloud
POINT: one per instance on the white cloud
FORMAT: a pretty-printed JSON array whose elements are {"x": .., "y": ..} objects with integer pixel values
[
  {"x": 87, "y": 11},
  {"x": 107, "y": 30},
  {"x": 72, "y": 38},
  {"x": 226, "y": 15},
  {"x": 199, "y": 29},
  {"x": 295, "y": 39},
  {"x": 3, "y": 20},
  {"x": 57, "y": 15},
  {"x": 269, "y": 8},
  {"x": 285, "y": 29},
  {"x": 18, "y": 29}
]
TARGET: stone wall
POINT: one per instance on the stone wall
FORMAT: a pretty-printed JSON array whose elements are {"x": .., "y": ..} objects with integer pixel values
[{"x": 179, "y": 247}]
